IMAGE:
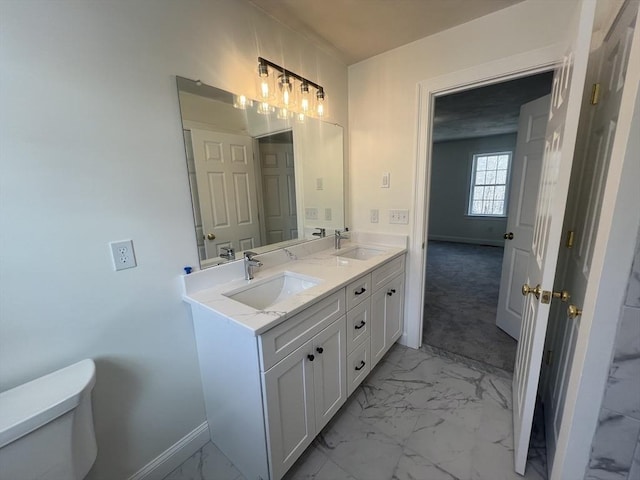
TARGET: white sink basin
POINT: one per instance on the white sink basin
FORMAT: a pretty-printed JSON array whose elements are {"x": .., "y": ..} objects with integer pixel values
[
  {"x": 270, "y": 291},
  {"x": 360, "y": 253}
]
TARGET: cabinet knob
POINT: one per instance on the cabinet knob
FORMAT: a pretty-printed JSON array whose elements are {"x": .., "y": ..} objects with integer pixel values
[
  {"x": 391, "y": 292},
  {"x": 319, "y": 349},
  {"x": 361, "y": 291},
  {"x": 360, "y": 325},
  {"x": 361, "y": 366},
  {"x": 311, "y": 357}
]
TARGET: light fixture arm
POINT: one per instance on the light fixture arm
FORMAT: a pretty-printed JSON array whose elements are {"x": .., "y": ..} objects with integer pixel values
[{"x": 263, "y": 62}]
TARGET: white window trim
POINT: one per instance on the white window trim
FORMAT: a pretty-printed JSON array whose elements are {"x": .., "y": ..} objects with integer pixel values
[{"x": 472, "y": 177}]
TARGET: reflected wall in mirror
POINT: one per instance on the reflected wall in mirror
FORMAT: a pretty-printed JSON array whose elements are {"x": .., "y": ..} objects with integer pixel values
[{"x": 257, "y": 182}]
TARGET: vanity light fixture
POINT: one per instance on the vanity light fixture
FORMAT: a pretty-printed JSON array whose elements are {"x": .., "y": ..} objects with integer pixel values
[{"x": 293, "y": 94}]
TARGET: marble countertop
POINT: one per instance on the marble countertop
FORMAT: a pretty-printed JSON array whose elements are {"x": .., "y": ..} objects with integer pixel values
[{"x": 333, "y": 271}]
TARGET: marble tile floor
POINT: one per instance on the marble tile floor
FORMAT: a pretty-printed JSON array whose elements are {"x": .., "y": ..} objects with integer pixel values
[{"x": 421, "y": 414}]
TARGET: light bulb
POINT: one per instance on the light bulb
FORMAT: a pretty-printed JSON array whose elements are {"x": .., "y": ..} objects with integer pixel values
[
  {"x": 305, "y": 99},
  {"x": 264, "y": 83},
  {"x": 284, "y": 113},
  {"x": 287, "y": 92},
  {"x": 241, "y": 102},
  {"x": 264, "y": 108},
  {"x": 321, "y": 106}
]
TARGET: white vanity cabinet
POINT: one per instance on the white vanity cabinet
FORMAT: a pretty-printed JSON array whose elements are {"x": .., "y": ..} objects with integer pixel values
[
  {"x": 302, "y": 392},
  {"x": 268, "y": 394},
  {"x": 387, "y": 307}
]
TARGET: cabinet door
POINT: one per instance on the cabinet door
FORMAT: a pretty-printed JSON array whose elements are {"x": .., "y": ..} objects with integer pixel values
[
  {"x": 378, "y": 306},
  {"x": 394, "y": 311},
  {"x": 289, "y": 408},
  {"x": 330, "y": 371}
]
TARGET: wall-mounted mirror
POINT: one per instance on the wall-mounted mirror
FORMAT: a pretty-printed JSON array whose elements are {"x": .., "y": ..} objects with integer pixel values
[{"x": 257, "y": 182}]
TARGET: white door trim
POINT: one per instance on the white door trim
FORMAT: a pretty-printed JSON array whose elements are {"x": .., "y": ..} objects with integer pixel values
[
  {"x": 509, "y": 68},
  {"x": 606, "y": 287}
]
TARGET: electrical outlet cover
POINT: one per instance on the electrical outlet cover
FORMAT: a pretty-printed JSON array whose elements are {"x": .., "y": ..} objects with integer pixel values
[{"x": 123, "y": 255}]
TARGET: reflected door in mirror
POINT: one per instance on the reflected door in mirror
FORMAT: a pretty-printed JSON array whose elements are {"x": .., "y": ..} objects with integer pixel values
[
  {"x": 278, "y": 191},
  {"x": 226, "y": 181}
]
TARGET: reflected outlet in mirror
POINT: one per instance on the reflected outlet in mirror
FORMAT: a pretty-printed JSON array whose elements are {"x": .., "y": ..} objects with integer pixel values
[{"x": 273, "y": 290}]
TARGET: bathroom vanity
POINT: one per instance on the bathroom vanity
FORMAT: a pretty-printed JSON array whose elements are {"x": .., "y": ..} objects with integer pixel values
[{"x": 280, "y": 354}]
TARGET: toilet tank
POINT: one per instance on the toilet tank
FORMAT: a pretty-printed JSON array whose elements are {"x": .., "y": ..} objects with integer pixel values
[{"x": 46, "y": 426}]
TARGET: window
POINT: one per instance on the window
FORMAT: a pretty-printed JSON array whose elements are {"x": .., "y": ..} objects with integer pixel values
[{"x": 489, "y": 181}]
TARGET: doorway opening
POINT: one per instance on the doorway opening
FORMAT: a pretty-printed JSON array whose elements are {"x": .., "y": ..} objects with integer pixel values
[{"x": 471, "y": 201}]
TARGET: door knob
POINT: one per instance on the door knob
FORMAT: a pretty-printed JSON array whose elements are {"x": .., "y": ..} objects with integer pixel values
[
  {"x": 573, "y": 311},
  {"x": 508, "y": 236},
  {"x": 563, "y": 295},
  {"x": 526, "y": 289},
  {"x": 211, "y": 236}
]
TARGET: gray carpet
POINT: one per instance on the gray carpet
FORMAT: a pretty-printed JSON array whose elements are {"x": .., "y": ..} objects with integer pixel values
[{"x": 461, "y": 299}]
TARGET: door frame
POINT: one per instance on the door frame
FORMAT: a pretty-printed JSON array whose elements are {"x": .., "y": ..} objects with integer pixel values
[{"x": 509, "y": 68}]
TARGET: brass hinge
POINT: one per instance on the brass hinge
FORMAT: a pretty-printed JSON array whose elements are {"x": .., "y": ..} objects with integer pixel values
[
  {"x": 571, "y": 238},
  {"x": 548, "y": 357},
  {"x": 595, "y": 94}
]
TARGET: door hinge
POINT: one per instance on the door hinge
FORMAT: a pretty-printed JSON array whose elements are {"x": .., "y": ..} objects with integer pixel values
[
  {"x": 595, "y": 94},
  {"x": 571, "y": 238},
  {"x": 548, "y": 357}
]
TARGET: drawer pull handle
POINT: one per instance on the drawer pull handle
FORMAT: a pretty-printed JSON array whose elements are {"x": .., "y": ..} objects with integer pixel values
[
  {"x": 391, "y": 292},
  {"x": 361, "y": 291},
  {"x": 361, "y": 366},
  {"x": 360, "y": 325},
  {"x": 319, "y": 349},
  {"x": 310, "y": 357}
]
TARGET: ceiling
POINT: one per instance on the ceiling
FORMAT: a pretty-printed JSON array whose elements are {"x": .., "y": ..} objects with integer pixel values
[
  {"x": 358, "y": 29},
  {"x": 490, "y": 110}
]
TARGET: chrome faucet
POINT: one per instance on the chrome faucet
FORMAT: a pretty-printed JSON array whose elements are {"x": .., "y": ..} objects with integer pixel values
[
  {"x": 250, "y": 264},
  {"x": 320, "y": 233},
  {"x": 229, "y": 253},
  {"x": 339, "y": 236}
]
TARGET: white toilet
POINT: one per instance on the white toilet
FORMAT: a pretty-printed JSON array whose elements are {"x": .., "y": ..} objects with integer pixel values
[{"x": 46, "y": 426}]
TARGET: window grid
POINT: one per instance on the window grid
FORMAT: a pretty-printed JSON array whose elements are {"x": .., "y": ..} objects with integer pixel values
[{"x": 488, "y": 191}]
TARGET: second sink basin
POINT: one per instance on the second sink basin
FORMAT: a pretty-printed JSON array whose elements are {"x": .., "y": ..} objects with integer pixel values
[
  {"x": 360, "y": 253},
  {"x": 270, "y": 291}
]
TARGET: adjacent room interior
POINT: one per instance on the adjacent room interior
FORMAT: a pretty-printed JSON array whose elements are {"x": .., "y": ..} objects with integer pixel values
[{"x": 467, "y": 235}]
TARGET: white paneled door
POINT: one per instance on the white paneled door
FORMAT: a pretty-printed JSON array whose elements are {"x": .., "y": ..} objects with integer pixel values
[
  {"x": 525, "y": 178},
  {"x": 560, "y": 138},
  {"x": 596, "y": 136},
  {"x": 225, "y": 175}
]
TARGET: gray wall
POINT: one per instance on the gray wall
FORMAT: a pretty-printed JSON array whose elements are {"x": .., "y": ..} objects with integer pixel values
[
  {"x": 450, "y": 175},
  {"x": 615, "y": 452}
]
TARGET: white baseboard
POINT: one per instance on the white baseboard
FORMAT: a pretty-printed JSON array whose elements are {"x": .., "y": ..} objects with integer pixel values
[
  {"x": 175, "y": 455},
  {"x": 476, "y": 241}
]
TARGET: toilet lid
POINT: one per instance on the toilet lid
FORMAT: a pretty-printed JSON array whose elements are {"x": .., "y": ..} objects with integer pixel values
[{"x": 31, "y": 405}]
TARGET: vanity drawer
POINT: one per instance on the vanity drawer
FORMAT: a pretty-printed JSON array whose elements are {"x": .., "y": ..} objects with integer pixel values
[
  {"x": 358, "y": 290},
  {"x": 358, "y": 324},
  {"x": 283, "y": 339},
  {"x": 358, "y": 366},
  {"x": 383, "y": 274}
]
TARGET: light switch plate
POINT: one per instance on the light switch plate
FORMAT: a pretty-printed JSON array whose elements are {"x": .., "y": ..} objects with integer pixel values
[{"x": 386, "y": 180}]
